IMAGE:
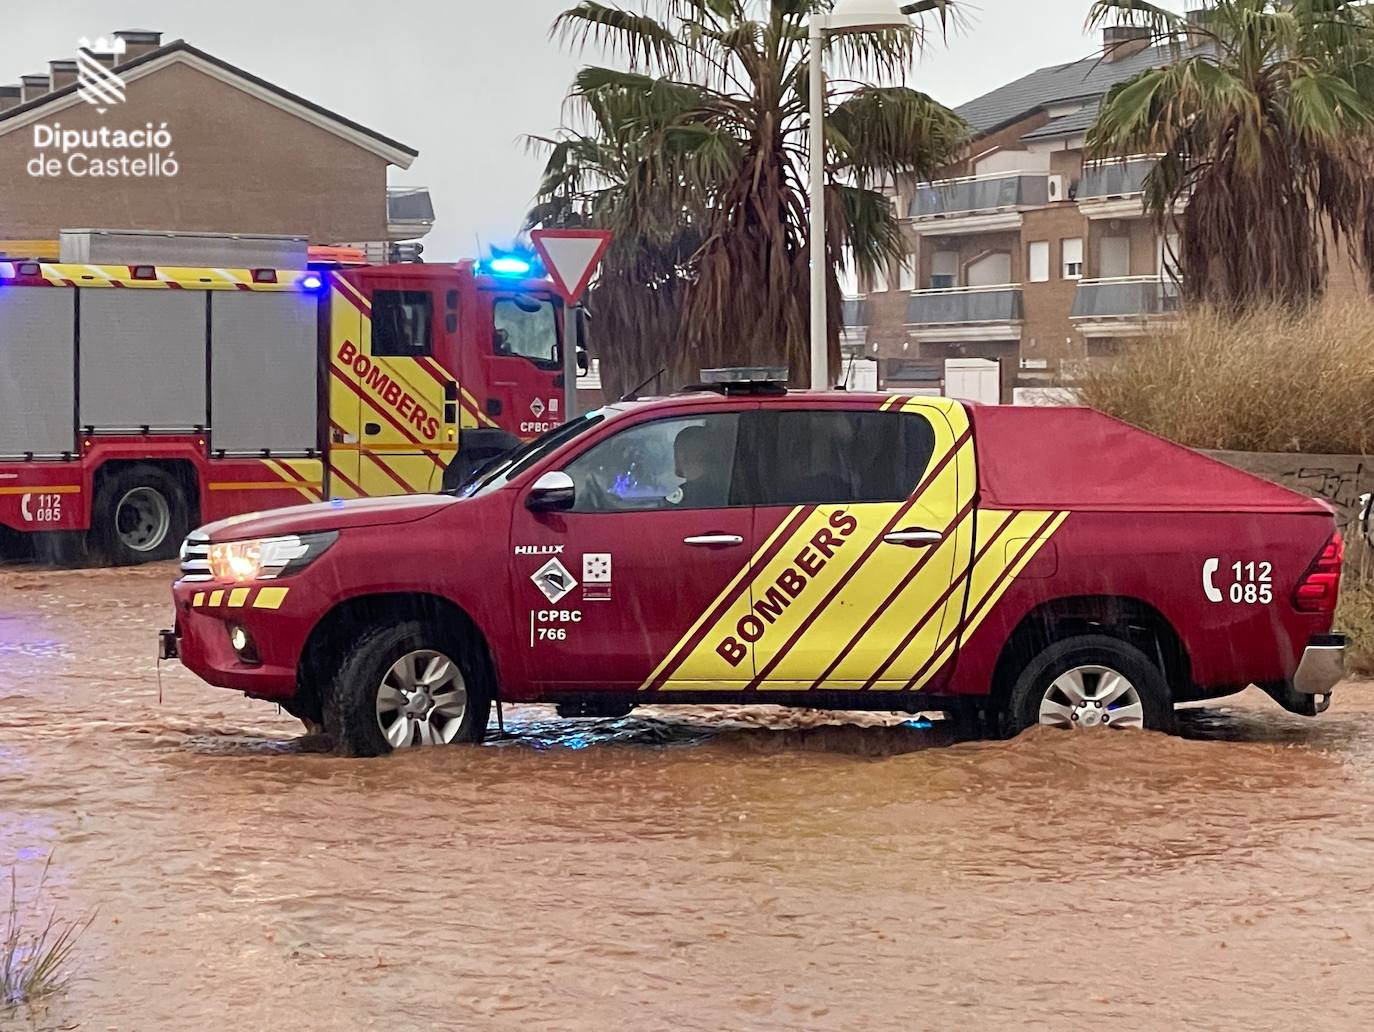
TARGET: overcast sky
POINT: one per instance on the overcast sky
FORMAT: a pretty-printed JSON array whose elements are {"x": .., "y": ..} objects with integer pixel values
[{"x": 463, "y": 80}]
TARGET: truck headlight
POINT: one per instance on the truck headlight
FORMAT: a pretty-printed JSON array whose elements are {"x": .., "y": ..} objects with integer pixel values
[{"x": 267, "y": 558}]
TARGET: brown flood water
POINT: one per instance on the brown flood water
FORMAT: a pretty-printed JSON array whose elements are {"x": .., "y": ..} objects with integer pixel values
[{"x": 679, "y": 869}]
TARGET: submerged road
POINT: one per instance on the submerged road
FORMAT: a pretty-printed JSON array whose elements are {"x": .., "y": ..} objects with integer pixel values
[{"x": 686, "y": 869}]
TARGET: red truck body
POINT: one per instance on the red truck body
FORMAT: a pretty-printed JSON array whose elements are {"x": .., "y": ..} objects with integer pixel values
[{"x": 1033, "y": 523}]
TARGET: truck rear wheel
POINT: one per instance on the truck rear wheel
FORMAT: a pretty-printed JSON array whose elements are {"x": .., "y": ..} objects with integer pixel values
[
  {"x": 140, "y": 515},
  {"x": 403, "y": 686},
  {"x": 1091, "y": 683}
]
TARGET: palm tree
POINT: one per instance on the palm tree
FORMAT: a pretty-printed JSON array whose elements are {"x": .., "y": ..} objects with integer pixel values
[
  {"x": 1262, "y": 120},
  {"x": 695, "y": 155}
]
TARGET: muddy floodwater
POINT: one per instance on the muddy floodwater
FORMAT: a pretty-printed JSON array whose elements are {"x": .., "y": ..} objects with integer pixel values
[{"x": 678, "y": 869}]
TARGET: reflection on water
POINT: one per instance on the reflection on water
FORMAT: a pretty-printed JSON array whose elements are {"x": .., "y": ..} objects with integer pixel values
[{"x": 688, "y": 869}]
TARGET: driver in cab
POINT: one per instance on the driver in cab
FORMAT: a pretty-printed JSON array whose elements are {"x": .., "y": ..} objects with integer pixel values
[{"x": 701, "y": 487}]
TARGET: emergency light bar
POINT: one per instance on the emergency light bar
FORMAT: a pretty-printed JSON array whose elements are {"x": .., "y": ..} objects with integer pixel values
[{"x": 740, "y": 375}]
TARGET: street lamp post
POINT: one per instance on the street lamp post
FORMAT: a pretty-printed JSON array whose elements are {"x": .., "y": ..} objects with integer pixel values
[{"x": 845, "y": 17}]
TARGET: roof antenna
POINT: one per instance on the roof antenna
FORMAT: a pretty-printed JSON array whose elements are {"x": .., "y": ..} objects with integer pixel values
[
  {"x": 633, "y": 393},
  {"x": 849, "y": 372}
]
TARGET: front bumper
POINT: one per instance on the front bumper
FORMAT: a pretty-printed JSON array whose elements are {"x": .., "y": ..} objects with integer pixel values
[
  {"x": 1322, "y": 666},
  {"x": 206, "y": 615}
]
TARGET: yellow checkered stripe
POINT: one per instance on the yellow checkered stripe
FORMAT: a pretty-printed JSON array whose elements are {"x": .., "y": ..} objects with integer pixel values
[
  {"x": 241, "y": 598},
  {"x": 168, "y": 278}
]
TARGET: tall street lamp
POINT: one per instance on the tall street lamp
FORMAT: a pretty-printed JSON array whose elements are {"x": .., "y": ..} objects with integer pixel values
[{"x": 845, "y": 17}]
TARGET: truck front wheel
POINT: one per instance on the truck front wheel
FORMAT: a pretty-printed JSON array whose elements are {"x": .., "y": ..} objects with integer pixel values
[
  {"x": 140, "y": 515},
  {"x": 1091, "y": 683},
  {"x": 405, "y": 685}
]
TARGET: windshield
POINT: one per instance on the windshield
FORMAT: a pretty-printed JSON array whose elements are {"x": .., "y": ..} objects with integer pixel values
[
  {"x": 506, "y": 469},
  {"x": 526, "y": 327}
]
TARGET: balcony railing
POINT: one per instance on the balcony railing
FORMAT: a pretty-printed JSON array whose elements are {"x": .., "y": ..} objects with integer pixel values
[
  {"x": 1126, "y": 297},
  {"x": 1116, "y": 178},
  {"x": 953, "y": 306},
  {"x": 855, "y": 312},
  {"x": 994, "y": 192}
]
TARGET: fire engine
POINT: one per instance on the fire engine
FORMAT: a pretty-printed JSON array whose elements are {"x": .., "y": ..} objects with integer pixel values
[{"x": 203, "y": 377}]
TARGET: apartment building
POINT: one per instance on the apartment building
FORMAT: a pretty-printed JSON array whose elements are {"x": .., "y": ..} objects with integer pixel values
[
  {"x": 1023, "y": 253},
  {"x": 167, "y": 136}
]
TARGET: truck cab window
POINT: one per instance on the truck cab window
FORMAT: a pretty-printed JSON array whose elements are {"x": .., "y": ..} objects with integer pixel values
[
  {"x": 814, "y": 457},
  {"x": 526, "y": 327},
  {"x": 667, "y": 464},
  {"x": 402, "y": 323}
]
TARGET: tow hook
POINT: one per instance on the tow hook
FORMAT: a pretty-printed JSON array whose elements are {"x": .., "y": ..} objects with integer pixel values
[{"x": 167, "y": 647}]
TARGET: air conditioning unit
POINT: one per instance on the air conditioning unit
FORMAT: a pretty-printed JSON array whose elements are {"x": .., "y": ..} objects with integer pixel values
[{"x": 1059, "y": 188}]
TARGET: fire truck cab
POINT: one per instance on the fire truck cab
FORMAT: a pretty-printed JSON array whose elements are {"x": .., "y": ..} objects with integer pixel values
[{"x": 141, "y": 399}]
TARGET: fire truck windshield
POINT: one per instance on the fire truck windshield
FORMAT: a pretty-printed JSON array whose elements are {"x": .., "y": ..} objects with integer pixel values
[
  {"x": 526, "y": 327},
  {"x": 506, "y": 469}
]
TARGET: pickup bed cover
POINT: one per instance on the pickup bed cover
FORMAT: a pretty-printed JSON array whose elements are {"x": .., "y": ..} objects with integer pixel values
[{"x": 1081, "y": 459}]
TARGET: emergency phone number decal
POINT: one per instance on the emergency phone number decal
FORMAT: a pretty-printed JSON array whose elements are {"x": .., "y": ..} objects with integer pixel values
[
  {"x": 41, "y": 508},
  {"x": 1252, "y": 582}
]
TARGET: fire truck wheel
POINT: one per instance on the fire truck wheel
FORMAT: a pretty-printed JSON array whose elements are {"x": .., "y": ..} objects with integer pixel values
[
  {"x": 406, "y": 685},
  {"x": 1091, "y": 683},
  {"x": 140, "y": 516}
]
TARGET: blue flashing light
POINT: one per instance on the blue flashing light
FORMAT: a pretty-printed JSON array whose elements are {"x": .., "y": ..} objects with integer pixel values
[
  {"x": 311, "y": 281},
  {"x": 509, "y": 265}
]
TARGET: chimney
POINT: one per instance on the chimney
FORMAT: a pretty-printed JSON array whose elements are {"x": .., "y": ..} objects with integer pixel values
[
  {"x": 34, "y": 86},
  {"x": 1197, "y": 17},
  {"x": 138, "y": 42},
  {"x": 1122, "y": 41},
  {"x": 61, "y": 73},
  {"x": 10, "y": 97}
]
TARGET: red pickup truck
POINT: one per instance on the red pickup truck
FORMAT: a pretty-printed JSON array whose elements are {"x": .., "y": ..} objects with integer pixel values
[{"x": 749, "y": 544}]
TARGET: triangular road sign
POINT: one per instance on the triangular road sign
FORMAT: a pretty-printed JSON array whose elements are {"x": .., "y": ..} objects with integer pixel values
[{"x": 571, "y": 257}]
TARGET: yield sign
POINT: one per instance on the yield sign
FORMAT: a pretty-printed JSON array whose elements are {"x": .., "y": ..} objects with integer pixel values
[{"x": 571, "y": 256}]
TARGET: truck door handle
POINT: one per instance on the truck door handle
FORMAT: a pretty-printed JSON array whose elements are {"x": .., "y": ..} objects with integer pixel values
[
  {"x": 914, "y": 537},
  {"x": 372, "y": 429},
  {"x": 714, "y": 540}
]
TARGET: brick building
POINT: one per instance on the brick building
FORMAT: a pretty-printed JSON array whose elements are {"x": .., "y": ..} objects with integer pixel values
[
  {"x": 175, "y": 138},
  {"x": 1024, "y": 253}
]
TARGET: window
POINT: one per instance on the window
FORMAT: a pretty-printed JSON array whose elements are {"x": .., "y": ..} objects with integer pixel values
[
  {"x": 1073, "y": 257},
  {"x": 1115, "y": 259},
  {"x": 816, "y": 457},
  {"x": 526, "y": 327},
  {"x": 1038, "y": 260},
  {"x": 667, "y": 464},
  {"x": 880, "y": 279},
  {"x": 944, "y": 270},
  {"x": 402, "y": 321},
  {"x": 906, "y": 273}
]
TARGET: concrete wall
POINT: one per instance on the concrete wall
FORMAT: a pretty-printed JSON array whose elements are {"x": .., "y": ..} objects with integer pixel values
[{"x": 243, "y": 165}]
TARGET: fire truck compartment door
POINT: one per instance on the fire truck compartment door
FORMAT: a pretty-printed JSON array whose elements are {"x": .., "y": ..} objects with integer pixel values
[
  {"x": 142, "y": 359},
  {"x": 263, "y": 370},
  {"x": 38, "y": 375},
  {"x": 401, "y": 430}
]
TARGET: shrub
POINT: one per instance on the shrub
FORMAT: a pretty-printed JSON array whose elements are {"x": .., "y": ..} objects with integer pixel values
[
  {"x": 35, "y": 949},
  {"x": 1272, "y": 381}
]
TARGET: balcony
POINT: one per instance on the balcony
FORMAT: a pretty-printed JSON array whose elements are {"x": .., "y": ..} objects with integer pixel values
[
  {"x": 854, "y": 313},
  {"x": 966, "y": 313},
  {"x": 1126, "y": 306},
  {"x": 1113, "y": 188},
  {"x": 986, "y": 203}
]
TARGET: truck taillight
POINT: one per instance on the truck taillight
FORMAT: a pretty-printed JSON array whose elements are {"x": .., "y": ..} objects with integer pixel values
[{"x": 1319, "y": 588}]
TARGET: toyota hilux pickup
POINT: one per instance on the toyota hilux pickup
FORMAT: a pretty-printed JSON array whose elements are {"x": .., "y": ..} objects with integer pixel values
[{"x": 749, "y": 544}]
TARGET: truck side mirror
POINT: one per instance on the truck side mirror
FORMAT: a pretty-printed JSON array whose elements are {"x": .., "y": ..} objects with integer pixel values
[
  {"x": 584, "y": 362},
  {"x": 1367, "y": 517},
  {"x": 552, "y": 492}
]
